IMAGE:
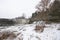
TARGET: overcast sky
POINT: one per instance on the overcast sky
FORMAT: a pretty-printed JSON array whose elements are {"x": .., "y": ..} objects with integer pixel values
[{"x": 15, "y": 8}]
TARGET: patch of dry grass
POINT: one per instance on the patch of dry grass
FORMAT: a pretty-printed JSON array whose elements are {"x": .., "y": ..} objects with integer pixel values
[
  {"x": 5, "y": 35},
  {"x": 39, "y": 28}
]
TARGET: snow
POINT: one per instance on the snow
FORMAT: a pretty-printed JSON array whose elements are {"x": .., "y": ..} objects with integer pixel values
[{"x": 27, "y": 32}]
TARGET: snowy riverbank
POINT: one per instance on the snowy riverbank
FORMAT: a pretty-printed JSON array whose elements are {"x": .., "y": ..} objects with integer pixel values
[{"x": 27, "y": 32}]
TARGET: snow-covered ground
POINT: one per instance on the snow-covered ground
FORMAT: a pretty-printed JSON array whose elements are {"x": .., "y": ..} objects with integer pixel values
[{"x": 27, "y": 32}]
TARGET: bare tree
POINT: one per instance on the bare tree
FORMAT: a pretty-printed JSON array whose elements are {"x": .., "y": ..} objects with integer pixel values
[
  {"x": 43, "y": 5},
  {"x": 23, "y": 15}
]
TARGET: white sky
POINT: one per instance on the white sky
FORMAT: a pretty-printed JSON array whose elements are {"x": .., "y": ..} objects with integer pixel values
[{"x": 15, "y": 8}]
